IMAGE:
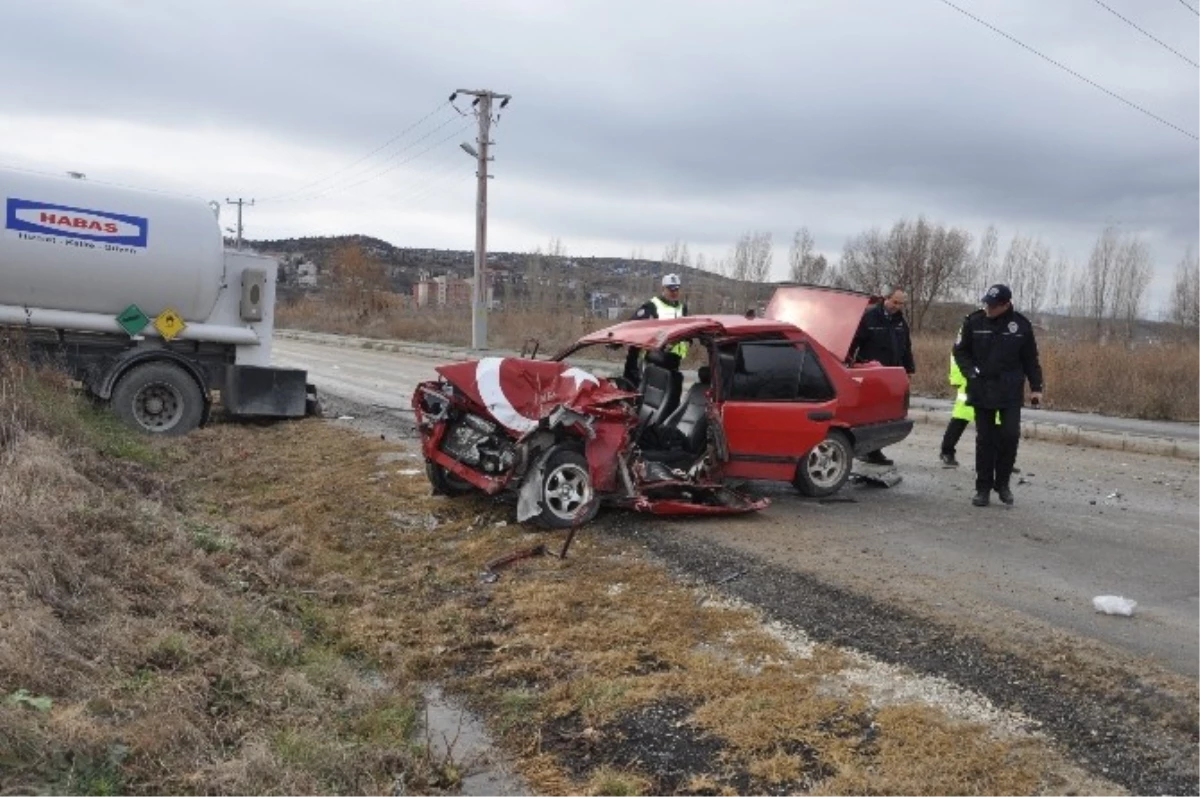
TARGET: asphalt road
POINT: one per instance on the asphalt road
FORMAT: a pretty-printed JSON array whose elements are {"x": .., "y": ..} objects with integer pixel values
[{"x": 1087, "y": 522}]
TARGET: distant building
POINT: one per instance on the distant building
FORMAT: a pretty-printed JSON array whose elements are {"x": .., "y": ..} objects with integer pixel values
[
  {"x": 306, "y": 275},
  {"x": 445, "y": 291}
]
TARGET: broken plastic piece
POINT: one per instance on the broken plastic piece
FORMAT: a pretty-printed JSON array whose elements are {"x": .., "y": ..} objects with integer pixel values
[{"x": 1114, "y": 604}]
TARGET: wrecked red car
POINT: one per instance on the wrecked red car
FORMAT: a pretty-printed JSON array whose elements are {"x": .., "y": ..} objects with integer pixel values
[{"x": 770, "y": 398}]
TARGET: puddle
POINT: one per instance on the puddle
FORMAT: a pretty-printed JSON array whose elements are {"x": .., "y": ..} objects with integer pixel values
[{"x": 451, "y": 730}]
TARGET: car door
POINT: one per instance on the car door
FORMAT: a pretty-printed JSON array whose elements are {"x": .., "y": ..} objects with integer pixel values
[{"x": 775, "y": 403}]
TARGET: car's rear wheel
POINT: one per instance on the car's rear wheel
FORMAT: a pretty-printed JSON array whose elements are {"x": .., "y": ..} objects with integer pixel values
[
  {"x": 826, "y": 467},
  {"x": 566, "y": 497},
  {"x": 446, "y": 483}
]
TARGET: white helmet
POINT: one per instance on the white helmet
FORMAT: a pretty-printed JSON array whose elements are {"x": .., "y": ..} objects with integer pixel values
[{"x": 671, "y": 281}]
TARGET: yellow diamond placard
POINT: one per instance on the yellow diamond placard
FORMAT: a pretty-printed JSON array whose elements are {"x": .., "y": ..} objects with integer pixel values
[{"x": 169, "y": 324}]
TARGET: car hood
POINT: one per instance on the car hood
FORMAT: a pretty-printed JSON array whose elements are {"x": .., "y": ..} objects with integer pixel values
[
  {"x": 519, "y": 393},
  {"x": 828, "y": 315}
]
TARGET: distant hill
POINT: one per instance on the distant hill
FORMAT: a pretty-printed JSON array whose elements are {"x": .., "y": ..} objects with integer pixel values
[{"x": 616, "y": 280}]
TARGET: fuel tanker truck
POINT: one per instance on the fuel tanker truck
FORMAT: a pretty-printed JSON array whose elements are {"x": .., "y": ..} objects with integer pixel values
[{"x": 135, "y": 295}]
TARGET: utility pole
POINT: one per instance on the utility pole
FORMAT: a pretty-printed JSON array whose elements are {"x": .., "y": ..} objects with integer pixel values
[
  {"x": 239, "y": 202},
  {"x": 479, "y": 298}
]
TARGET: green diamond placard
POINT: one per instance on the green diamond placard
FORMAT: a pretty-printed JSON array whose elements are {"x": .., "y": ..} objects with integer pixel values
[{"x": 133, "y": 320}]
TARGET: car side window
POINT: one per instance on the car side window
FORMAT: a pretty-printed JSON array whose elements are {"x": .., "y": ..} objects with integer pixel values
[
  {"x": 814, "y": 382},
  {"x": 774, "y": 371}
]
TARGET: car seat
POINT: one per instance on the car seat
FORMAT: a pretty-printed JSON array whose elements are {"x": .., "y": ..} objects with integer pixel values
[{"x": 661, "y": 388}]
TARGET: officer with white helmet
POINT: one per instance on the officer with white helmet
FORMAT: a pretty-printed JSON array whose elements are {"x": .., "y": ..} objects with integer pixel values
[{"x": 668, "y": 304}]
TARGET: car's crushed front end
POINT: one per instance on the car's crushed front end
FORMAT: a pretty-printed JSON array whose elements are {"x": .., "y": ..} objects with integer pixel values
[{"x": 560, "y": 438}]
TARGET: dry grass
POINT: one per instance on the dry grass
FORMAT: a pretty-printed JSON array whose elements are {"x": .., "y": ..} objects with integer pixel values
[
  {"x": 252, "y": 613},
  {"x": 451, "y": 326},
  {"x": 1152, "y": 382},
  {"x": 149, "y": 649},
  {"x": 570, "y": 660}
]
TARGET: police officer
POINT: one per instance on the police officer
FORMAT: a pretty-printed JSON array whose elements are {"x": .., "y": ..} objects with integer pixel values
[
  {"x": 961, "y": 415},
  {"x": 996, "y": 352},
  {"x": 883, "y": 336},
  {"x": 669, "y": 304}
]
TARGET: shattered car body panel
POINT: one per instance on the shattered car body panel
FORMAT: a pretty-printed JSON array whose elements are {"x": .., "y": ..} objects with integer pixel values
[
  {"x": 494, "y": 423},
  {"x": 774, "y": 402}
]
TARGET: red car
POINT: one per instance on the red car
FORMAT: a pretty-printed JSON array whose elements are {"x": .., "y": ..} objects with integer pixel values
[{"x": 775, "y": 399}]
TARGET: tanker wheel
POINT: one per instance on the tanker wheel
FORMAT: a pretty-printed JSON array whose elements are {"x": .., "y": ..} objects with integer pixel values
[{"x": 160, "y": 398}]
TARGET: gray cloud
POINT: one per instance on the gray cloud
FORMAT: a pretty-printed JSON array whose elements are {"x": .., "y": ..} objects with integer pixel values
[{"x": 640, "y": 121}]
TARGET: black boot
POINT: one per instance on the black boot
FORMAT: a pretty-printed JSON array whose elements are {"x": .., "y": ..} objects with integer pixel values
[
  {"x": 877, "y": 458},
  {"x": 1005, "y": 494},
  {"x": 981, "y": 498}
]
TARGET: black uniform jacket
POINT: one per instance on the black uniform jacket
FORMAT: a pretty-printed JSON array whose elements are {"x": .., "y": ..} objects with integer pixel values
[
  {"x": 883, "y": 338},
  {"x": 997, "y": 355}
]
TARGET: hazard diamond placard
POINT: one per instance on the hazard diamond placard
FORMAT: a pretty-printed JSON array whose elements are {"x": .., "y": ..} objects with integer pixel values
[{"x": 169, "y": 324}]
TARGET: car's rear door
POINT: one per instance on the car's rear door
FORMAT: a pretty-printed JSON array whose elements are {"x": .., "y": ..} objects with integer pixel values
[{"x": 775, "y": 403}]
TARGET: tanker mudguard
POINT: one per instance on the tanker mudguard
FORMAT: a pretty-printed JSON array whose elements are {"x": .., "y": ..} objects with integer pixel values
[{"x": 131, "y": 357}]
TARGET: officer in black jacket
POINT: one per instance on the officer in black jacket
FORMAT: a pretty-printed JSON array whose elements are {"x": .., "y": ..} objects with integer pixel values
[
  {"x": 996, "y": 352},
  {"x": 883, "y": 336}
]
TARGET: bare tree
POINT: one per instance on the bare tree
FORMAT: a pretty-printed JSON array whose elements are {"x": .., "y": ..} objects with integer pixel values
[
  {"x": 946, "y": 272},
  {"x": 671, "y": 252},
  {"x": 685, "y": 257},
  {"x": 358, "y": 278},
  {"x": 1185, "y": 298},
  {"x": 983, "y": 265},
  {"x": 1131, "y": 278},
  {"x": 761, "y": 255},
  {"x": 1115, "y": 282},
  {"x": 929, "y": 261},
  {"x": 1026, "y": 271},
  {"x": 1058, "y": 287},
  {"x": 863, "y": 262},
  {"x": 804, "y": 266},
  {"x": 1099, "y": 278}
]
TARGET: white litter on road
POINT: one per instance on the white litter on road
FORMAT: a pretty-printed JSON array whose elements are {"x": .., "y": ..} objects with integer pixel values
[{"x": 1114, "y": 604}]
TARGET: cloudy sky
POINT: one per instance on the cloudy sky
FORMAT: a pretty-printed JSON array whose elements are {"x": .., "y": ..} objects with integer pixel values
[{"x": 633, "y": 122}]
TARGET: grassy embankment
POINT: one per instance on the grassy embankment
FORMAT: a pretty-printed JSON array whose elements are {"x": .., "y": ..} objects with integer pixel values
[{"x": 253, "y": 609}]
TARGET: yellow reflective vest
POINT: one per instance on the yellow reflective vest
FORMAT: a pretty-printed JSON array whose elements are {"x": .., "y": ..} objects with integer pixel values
[
  {"x": 666, "y": 310},
  {"x": 962, "y": 409}
]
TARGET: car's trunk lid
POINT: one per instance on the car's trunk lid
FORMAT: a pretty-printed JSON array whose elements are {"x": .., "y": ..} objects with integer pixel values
[{"x": 830, "y": 316}]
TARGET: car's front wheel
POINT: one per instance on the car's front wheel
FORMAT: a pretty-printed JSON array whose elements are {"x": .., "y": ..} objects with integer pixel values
[
  {"x": 826, "y": 467},
  {"x": 566, "y": 497}
]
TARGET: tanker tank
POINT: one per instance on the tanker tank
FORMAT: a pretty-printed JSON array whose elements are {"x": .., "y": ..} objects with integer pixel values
[{"x": 76, "y": 245}]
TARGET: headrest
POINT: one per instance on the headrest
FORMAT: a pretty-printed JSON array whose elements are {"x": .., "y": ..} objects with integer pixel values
[
  {"x": 657, "y": 357},
  {"x": 704, "y": 375}
]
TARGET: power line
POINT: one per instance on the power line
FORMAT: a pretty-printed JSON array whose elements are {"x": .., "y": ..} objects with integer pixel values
[
  {"x": 377, "y": 175},
  {"x": 320, "y": 192},
  {"x": 349, "y": 166},
  {"x": 1072, "y": 72},
  {"x": 1150, "y": 36},
  {"x": 455, "y": 169},
  {"x": 1189, "y": 8},
  {"x": 419, "y": 179}
]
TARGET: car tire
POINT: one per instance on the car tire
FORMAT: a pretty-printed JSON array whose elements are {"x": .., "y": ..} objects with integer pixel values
[
  {"x": 159, "y": 398},
  {"x": 446, "y": 483},
  {"x": 825, "y": 468},
  {"x": 566, "y": 497}
]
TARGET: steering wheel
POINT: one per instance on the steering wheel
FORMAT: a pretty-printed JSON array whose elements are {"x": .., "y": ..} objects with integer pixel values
[{"x": 623, "y": 383}]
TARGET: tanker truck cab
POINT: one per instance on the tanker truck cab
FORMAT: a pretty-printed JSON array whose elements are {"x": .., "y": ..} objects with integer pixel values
[{"x": 135, "y": 295}]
